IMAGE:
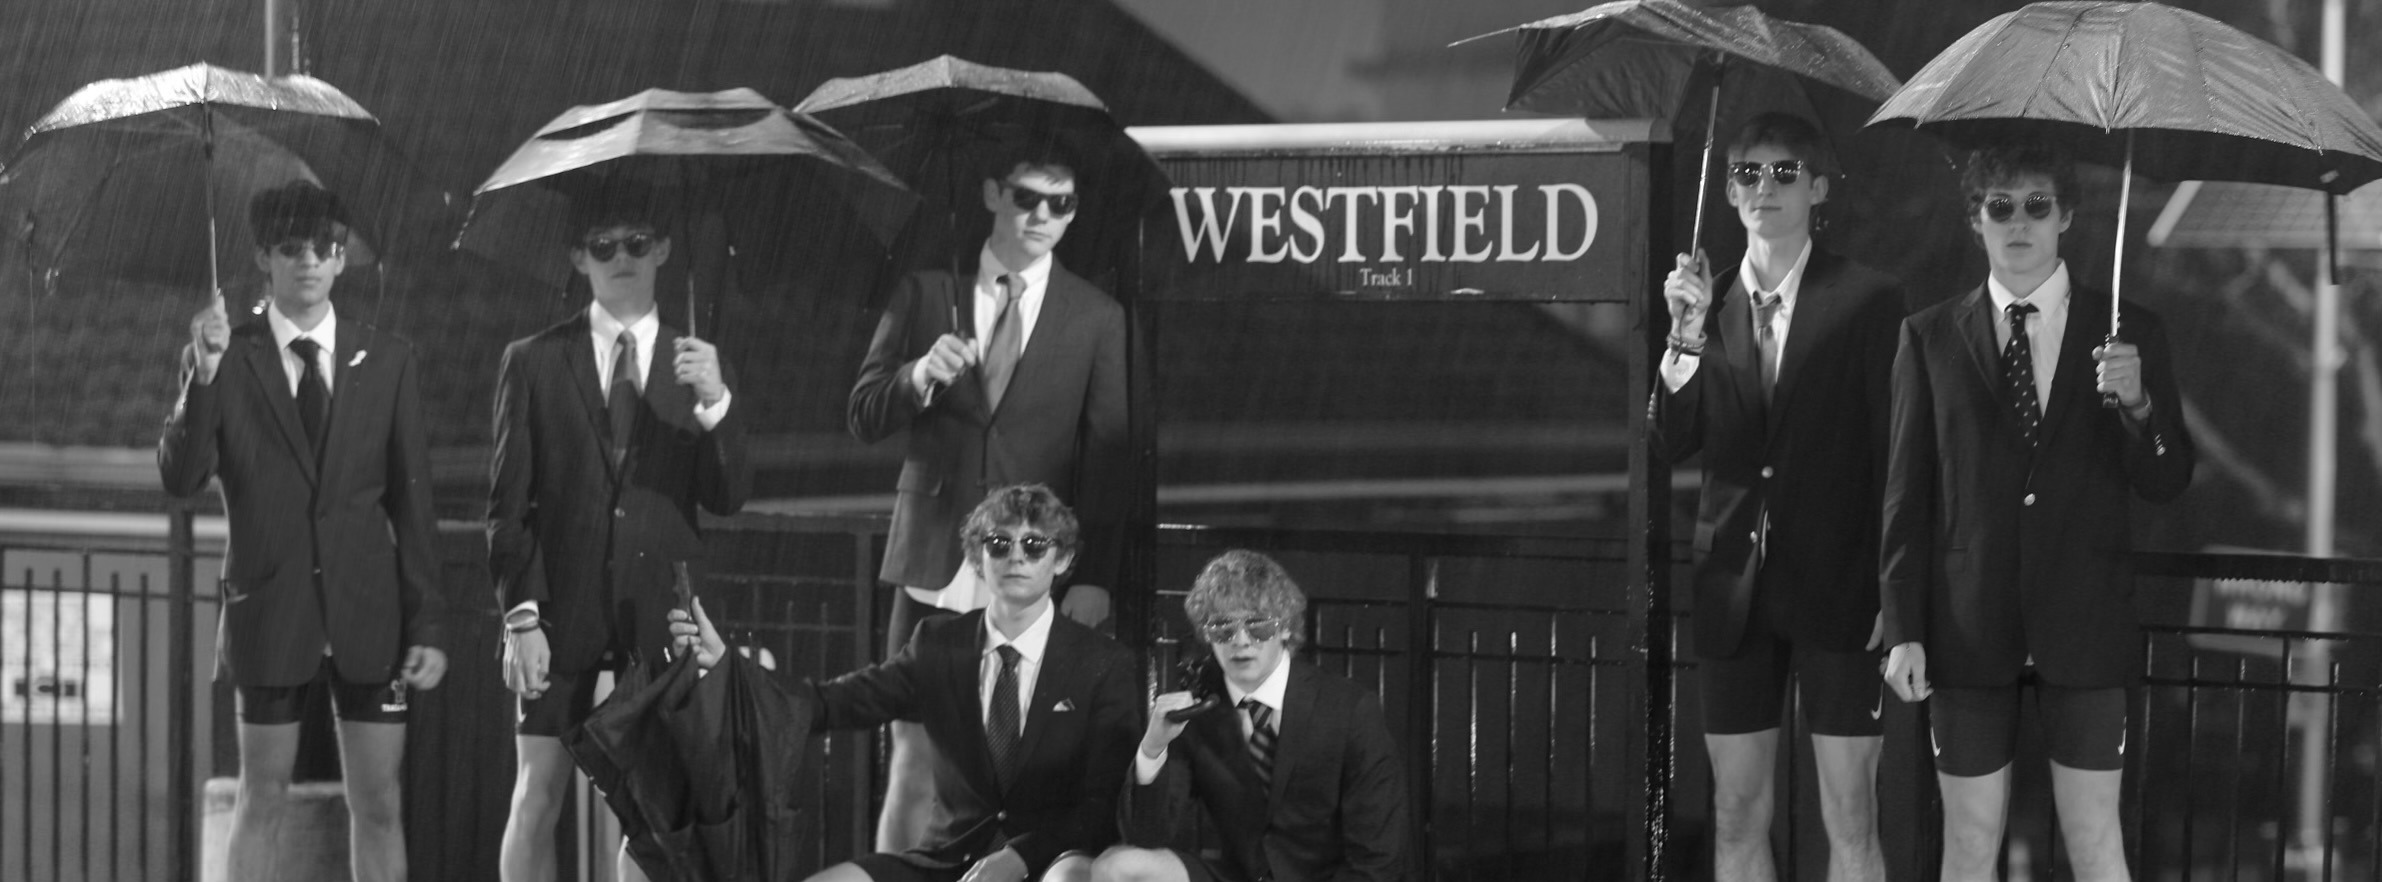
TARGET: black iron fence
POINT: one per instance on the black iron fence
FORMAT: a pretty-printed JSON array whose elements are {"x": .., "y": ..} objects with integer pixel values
[{"x": 1510, "y": 668}]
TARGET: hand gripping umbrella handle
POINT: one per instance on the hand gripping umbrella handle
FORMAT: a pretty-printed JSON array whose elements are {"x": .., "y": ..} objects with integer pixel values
[{"x": 2117, "y": 267}]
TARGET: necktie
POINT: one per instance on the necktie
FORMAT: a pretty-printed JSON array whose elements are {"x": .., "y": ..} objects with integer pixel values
[
  {"x": 2018, "y": 370},
  {"x": 314, "y": 396},
  {"x": 621, "y": 401},
  {"x": 1765, "y": 314},
  {"x": 1000, "y": 354},
  {"x": 1001, "y": 725},
  {"x": 1261, "y": 738}
]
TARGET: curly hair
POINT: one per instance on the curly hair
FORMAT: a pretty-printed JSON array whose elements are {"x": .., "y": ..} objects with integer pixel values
[
  {"x": 1245, "y": 581},
  {"x": 1032, "y": 505}
]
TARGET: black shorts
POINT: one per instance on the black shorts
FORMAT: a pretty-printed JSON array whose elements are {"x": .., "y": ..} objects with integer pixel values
[
  {"x": 1975, "y": 731},
  {"x": 904, "y": 617},
  {"x": 568, "y": 699},
  {"x": 1841, "y": 691},
  {"x": 353, "y": 702}
]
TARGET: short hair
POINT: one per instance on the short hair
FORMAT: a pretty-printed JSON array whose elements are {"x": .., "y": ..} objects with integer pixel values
[
  {"x": 1031, "y": 505},
  {"x": 2004, "y": 164},
  {"x": 616, "y": 201},
  {"x": 1787, "y": 132},
  {"x": 1242, "y": 579},
  {"x": 1005, "y": 158},
  {"x": 300, "y": 209}
]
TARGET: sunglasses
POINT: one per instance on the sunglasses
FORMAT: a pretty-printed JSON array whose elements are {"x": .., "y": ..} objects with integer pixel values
[
  {"x": 324, "y": 247},
  {"x": 1784, "y": 171},
  {"x": 1061, "y": 204},
  {"x": 1034, "y": 546},
  {"x": 1220, "y": 631},
  {"x": 2038, "y": 206},
  {"x": 601, "y": 248}
]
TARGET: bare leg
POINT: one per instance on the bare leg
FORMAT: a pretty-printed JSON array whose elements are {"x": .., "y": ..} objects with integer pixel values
[
  {"x": 2089, "y": 822},
  {"x": 625, "y": 868},
  {"x": 371, "y": 756},
  {"x": 527, "y": 854},
  {"x": 841, "y": 873},
  {"x": 1744, "y": 795},
  {"x": 1848, "y": 806},
  {"x": 267, "y": 753},
  {"x": 909, "y": 789},
  {"x": 1975, "y": 811},
  {"x": 1074, "y": 866},
  {"x": 1124, "y": 864}
]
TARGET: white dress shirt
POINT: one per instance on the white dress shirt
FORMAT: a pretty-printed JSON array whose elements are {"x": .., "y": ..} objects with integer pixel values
[
  {"x": 1030, "y": 645},
  {"x": 2044, "y": 330},
  {"x": 1029, "y": 283},
  {"x": 1677, "y": 367},
  {"x": 1268, "y": 693},
  {"x": 325, "y": 334},
  {"x": 603, "y": 329}
]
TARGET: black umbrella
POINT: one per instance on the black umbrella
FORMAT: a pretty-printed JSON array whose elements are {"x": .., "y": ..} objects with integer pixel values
[
  {"x": 787, "y": 192},
  {"x": 937, "y": 121},
  {"x": 699, "y": 768},
  {"x": 1639, "y": 58},
  {"x": 132, "y": 178},
  {"x": 2155, "y": 90}
]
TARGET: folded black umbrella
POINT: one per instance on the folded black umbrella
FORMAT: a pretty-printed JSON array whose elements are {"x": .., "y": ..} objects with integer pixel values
[{"x": 698, "y": 770}]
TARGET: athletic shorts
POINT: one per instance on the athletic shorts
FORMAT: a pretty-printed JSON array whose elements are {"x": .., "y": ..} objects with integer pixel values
[
  {"x": 568, "y": 699},
  {"x": 1841, "y": 691},
  {"x": 1975, "y": 731},
  {"x": 353, "y": 702}
]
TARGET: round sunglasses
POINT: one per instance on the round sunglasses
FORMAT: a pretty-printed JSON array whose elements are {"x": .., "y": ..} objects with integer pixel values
[
  {"x": 1035, "y": 547},
  {"x": 2000, "y": 209},
  {"x": 324, "y": 247},
  {"x": 1218, "y": 631},
  {"x": 601, "y": 248},
  {"x": 1784, "y": 171},
  {"x": 1061, "y": 204}
]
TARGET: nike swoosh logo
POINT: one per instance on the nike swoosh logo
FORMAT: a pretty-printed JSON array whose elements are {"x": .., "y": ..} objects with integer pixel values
[
  {"x": 1880, "y": 709},
  {"x": 1931, "y": 745}
]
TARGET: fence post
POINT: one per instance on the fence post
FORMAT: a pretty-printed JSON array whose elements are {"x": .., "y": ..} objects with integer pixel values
[
  {"x": 181, "y": 703},
  {"x": 1422, "y": 701},
  {"x": 864, "y": 611},
  {"x": 1650, "y": 556}
]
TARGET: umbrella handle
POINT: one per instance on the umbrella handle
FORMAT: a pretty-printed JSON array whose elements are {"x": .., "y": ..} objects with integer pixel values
[
  {"x": 1695, "y": 242},
  {"x": 2117, "y": 269}
]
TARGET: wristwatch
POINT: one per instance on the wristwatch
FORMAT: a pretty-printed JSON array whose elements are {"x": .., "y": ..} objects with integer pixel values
[{"x": 523, "y": 620}]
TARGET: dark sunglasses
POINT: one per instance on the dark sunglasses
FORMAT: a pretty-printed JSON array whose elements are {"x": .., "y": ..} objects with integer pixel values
[
  {"x": 1257, "y": 630},
  {"x": 324, "y": 247},
  {"x": 1061, "y": 204},
  {"x": 2038, "y": 206},
  {"x": 1034, "y": 546},
  {"x": 601, "y": 248},
  {"x": 1784, "y": 171}
]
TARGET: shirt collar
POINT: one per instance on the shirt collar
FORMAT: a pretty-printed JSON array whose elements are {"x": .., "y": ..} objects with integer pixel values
[
  {"x": 1787, "y": 287},
  {"x": 1030, "y": 643},
  {"x": 990, "y": 268},
  {"x": 325, "y": 334},
  {"x": 2050, "y": 296},
  {"x": 607, "y": 329},
  {"x": 1268, "y": 693}
]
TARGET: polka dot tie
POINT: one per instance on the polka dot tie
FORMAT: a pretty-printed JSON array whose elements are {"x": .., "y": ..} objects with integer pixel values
[{"x": 2018, "y": 371}]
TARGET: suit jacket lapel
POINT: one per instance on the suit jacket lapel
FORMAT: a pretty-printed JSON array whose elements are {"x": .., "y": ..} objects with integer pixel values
[
  {"x": 1744, "y": 355},
  {"x": 344, "y": 379},
  {"x": 1977, "y": 317},
  {"x": 966, "y": 655},
  {"x": 1815, "y": 311},
  {"x": 578, "y": 351},
  {"x": 2076, "y": 374},
  {"x": 264, "y": 364},
  {"x": 662, "y": 395},
  {"x": 1051, "y": 334},
  {"x": 1298, "y": 706},
  {"x": 1053, "y": 684}
]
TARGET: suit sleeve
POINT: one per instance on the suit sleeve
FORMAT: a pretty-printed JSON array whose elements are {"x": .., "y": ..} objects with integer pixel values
[
  {"x": 1092, "y": 824},
  {"x": 186, "y": 453},
  {"x": 515, "y": 561},
  {"x": 883, "y": 402},
  {"x": 1880, "y": 338},
  {"x": 1373, "y": 806},
  {"x": 1103, "y": 478},
  {"x": 2159, "y": 457},
  {"x": 1907, "y": 543},
  {"x": 875, "y": 695},
  {"x": 1147, "y": 814},
  {"x": 413, "y": 521},
  {"x": 723, "y": 470}
]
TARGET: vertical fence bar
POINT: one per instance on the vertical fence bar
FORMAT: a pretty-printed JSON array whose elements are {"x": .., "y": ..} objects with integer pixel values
[
  {"x": 1471, "y": 751},
  {"x": 1513, "y": 705},
  {"x": 864, "y": 583},
  {"x": 57, "y": 720},
  {"x": 2282, "y": 767},
  {"x": 2191, "y": 817},
  {"x": 1546, "y": 826},
  {"x": 2332, "y": 760},
  {"x": 181, "y": 703},
  {"x": 2241, "y": 716},
  {"x": 1422, "y": 704}
]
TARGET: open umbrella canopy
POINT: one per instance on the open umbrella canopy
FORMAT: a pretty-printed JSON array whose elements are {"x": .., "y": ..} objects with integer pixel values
[
  {"x": 936, "y": 123},
  {"x": 781, "y": 185},
  {"x": 1633, "y": 58},
  {"x": 2200, "y": 99},
  {"x": 123, "y": 178}
]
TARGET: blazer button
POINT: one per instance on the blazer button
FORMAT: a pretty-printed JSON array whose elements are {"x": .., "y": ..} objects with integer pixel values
[
  {"x": 2030, "y": 499},
  {"x": 1755, "y": 536},
  {"x": 1001, "y": 815},
  {"x": 620, "y": 512},
  {"x": 1766, "y": 472}
]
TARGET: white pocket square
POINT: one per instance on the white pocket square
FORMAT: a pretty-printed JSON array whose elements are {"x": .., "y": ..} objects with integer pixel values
[{"x": 1063, "y": 706}]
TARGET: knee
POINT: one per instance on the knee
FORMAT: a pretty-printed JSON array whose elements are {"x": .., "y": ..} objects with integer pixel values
[
  {"x": 375, "y": 807},
  {"x": 1126, "y": 864},
  {"x": 1741, "y": 812}
]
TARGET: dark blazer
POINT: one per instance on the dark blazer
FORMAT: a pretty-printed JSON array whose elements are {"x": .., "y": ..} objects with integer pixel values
[
  {"x": 343, "y": 551},
  {"x": 1337, "y": 807},
  {"x": 1080, "y": 731},
  {"x": 1995, "y": 551},
  {"x": 1062, "y": 422},
  {"x": 1814, "y": 458},
  {"x": 590, "y": 544}
]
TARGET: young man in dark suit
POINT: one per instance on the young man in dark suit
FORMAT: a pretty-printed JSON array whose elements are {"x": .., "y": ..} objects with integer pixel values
[
  {"x": 1783, "y": 389},
  {"x": 314, "y": 424},
  {"x": 1031, "y": 713},
  {"x": 611, "y": 428},
  {"x": 2006, "y": 522},
  {"x": 1295, "y": 768},
  {"x": 1009, "y": 371}
]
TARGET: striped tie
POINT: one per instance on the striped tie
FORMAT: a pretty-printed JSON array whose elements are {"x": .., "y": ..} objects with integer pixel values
[{"x": 1261, "y": 738}]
